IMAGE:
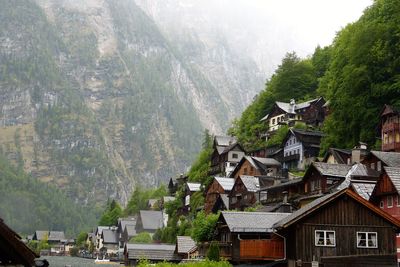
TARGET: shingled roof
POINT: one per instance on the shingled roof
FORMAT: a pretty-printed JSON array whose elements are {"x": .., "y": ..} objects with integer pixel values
[
  {"x": 152, "y": 252},
  {"x": 193, "y": 187},
  {"x": 224, "y": 140},
  {"x": 226, "y": 183},
  {"x": 394, "y": 175},
  {"x": 391, "y": 159},
  {"x": 151, "y": 219},
  {"x": 185, "y": 244},
  {"x": 251, "y": 183},
  {"x": 251, "y": 222},
  {"x": 110, "y": 236},
  {"x": 336, "y": 170}
]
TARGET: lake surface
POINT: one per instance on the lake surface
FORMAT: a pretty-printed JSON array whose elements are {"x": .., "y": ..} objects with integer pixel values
[{"x": 76, "y": 262}]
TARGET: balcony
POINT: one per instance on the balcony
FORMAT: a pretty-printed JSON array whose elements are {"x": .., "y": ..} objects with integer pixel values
[
  {"x": 391, "y": 127},
  {"x": 291, "y": 157},
  {"x": 391, "y": 147},
  {"x": 262, "y": 249}
]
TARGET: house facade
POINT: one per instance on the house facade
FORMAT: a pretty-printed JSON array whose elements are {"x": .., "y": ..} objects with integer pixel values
[
  {"x": 339, "y": 229},
  {"x": 226, "y": 155},
  {"x": 390, "y": 129},
  {"x": 219, "y": 186},
  {"x": 256, "y": 166}
]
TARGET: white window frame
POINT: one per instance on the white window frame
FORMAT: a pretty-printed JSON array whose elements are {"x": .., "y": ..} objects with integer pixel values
[
  {"x": 325, "y": 238},
  {"x": 367, "y": 235},
  {"x": 387, "y": 201}
]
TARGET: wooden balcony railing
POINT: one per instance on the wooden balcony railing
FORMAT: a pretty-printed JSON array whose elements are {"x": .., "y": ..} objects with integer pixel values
[{"x": 261, "y": 249}]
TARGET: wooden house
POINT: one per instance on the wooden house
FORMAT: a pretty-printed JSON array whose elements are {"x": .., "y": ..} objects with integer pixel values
[
  {"x": 300, "y": 148},
  {"x": 255, "y": 166},
  {"x": 248, "y": 236},
  {"x": 222, "y": 203},
  {"x": 186, "y": 248},
  {"x": 390, "y": 129},
  {"x": 245, "y": 190},
  {"x": 220, "y": 185},
  {"x": 339, "y": 229},
  {"x": 282, "y": 192},
  {"x": 14, "y": 252},
  {"x": 98, "y": 240},
  {"x": 124, "y": 232},
  {"x": 190, "y": 189},
  {"x": 337, "y": 156},
  {"x": 110, "y": 241},
  {"x": 226, "y": 155},
  {"x": 133, "y": 253},
  {"x": 310, "y": 112},
  {"x": 377, "y": 160},
  {"x": 149, "y": 221}
]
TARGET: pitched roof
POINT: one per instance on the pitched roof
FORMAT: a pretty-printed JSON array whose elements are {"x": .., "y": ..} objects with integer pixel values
[
  {"x": 336, "y": 170},
  {"x": 320, "y": 202},
  {"x": 151, "y": 252},
  {"x": 230, "y": 147},
  {"x": 364, "y": 189},
  {"x": 267, "y": 161},
  {"x": 340, "y": 155},
  {"x": 224, "y": 140},
  {"x": 110, "y": 236},
  {"x": 391, "y": 159},
  {"x": 123, "y": 222},
  {"x": 251, "y": 222},
  {"x": 100, "y": 229},
  {"x": 151, "y": 219},
  {"x": 251, "y": 183},
  {"x": 193, "y": 187},
  {"x": 185, "y": 244},
  {"x": 41, "y": 235},
  {"x": 130, "y": 230},
  {"x": 226, "y": 183},
  {"x": 12, "y": 249},
  {"x": 56, "y": 235},
  {"x": 285, "y": 184},
  {"x": 394, "y": 175}
]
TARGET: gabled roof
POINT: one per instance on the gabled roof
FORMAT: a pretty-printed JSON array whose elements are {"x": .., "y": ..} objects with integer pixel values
[
  {"x": 185, "y": 244},
  {"x": 130, "y": 230},
  {"x": 251, "y": 183},
  {"x": 364, "y": 189},
  {"x": 12, "y": 250},
  {"x": 391, "y": 159},
  {"x": 251, "y": 222},
  {"x": 100, "y": 229},
  {"x": 285, "y": 184},
  {"x": 231, "y": 147},
  {"x": 110, "y": 236},
  {"x": 226, "y": 183},
  {"x": 151, "y": 219},
  {"x": 334, "y": 170},
  {"x": 193, "y": 187},
  {"x": 308, "y": 138},
  {"x": 56, "y": 235},
  {"x": 224, "y": 140},
  {"x": 123, "y": 222},
  {"x": 159, "y": 252},
  {"x": 322, "y": 201},
  {"x": 387, "y": 109},
  {"x": 261, "y": 164},
  {"x": 394, "y": 175},
  {"x": 339, "y": 154},
  {"x": 41, "y": 235}
]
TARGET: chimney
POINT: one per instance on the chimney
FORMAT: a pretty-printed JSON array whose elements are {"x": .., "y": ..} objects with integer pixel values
[{"x": 358, "y": 153}]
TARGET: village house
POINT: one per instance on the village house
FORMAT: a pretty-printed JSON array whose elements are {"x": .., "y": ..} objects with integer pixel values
[
  {"x": 378, "y": 159},
  {"x": 245, "y": 191},
  {"x": 126, "y": 230},
  {"x": 300, "y": 148},
  {"x": 283, "y": 193},
  {"x": 110, "y": 241},
  {"x": 172, "y": 186},
  {"x": 339, "y": 229},
  {"x": 152, "y": 204},
  {"x": 98, "y": 240},
  {"x": 186, "y": 248},
  {"x": 337, "y": 156},
  {"x": 164, "y": 200},
  {"x": 219, "y": 186},
  {"x": 311, "y": 112},
  {"x": 149, "y": 221},
  {"x": 390, "y": 129},
  {"x": 14, "y": 252},
  {"x": 133, "y": 253},
  {"x": 190, "y": 189},
  {"x": 249, "y": 236},
  {"x": 56, "y": 239},
  {"x": 255, "y": 166},
  {"x": 226, "y": 155}
]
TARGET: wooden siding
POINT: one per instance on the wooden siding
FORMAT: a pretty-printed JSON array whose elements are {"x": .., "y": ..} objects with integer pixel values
[
  {"x": 384, "y": 186},
  {"x": 346, "y": 217},
  {"x": 214, "y": 190},
  {"x": 360, "y": 261},
  {"x": 247, "y": 169},
  {"x": 243, "y": 198},
  {"x": 262, "y": 249}
]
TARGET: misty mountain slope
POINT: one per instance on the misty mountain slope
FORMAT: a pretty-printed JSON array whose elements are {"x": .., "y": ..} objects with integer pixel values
[{"x": 96, "y": 98}]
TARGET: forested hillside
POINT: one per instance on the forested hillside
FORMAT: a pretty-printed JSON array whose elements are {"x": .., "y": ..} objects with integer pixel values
[{"x": 358, "y": 74}]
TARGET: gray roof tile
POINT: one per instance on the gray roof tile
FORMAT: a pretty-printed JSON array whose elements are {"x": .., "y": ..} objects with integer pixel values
[
  {"x": 185, "y": 244},
  {"x": 394, "y": 175},
  {"x": 194, "y": 187},
  {"x": 251, "y": 183},
  {"x": 225, "y": 140},
  {"x": 337, "y": 170},
  {"x": 251, "y": 221},
  {"x": 151, "y": 251},
  {"x": 391, "y": 159},
  {"x": 226, "y": 183},
  {"x": 151, "y": 219},
  {"x": 110, "y": 236}
]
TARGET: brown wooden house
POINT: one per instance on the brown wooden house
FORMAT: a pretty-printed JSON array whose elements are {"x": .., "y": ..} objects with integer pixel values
[
  {"x": 248, "y": 236},
  {"x": 220, "y": 185},
  {"x": 378, "y": 159},
  {"x": 276, "y": 194},
  {"x": 226, "y": 155},
  {"x": 339, "y": 229},
  {"x": 190, "y": 189},
  {"x": 390, "y": 128},
  {"x": 244, "y": 193},
  {"x": 337, "y": 156},
  {"x": 255, "y": 166}
]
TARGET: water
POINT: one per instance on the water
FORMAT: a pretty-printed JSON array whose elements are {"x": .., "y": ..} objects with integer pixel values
[{"x": 76, "y": 262}]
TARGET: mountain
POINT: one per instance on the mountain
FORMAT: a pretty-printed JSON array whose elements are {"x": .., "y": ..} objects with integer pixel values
[{"x": 96, "y": 96}]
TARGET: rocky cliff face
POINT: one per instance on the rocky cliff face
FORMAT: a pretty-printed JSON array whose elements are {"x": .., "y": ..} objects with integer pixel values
[{"x": 96, "y": 96}]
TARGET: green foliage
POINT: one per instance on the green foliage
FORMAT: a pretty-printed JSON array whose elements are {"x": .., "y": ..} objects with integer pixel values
[
  {"x": 363, "y": 75},
  {"x": 294, "y": 78},
  {"x": 27, "y": 205},
  {"x": 213, "y": 252},
  {"x": 143, "y": 237},
  {"x": 74, "y": 251},
  {"x": 279, "y": 136},
  {"x": 206, "y": 263},
  {"x": 81, "y": 239},
  {"x": 37, "y": 246},
  {"x": 201, "y": 166},
  {"x": 204, "y": 226},
  {"x": 111, "y": 214},
  {"x": 141, "y": 196}
]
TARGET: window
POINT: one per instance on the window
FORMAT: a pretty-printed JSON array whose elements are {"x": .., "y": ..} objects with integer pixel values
[
  {"x": 389, "y": 201},
  {"x": 381, "y": 204},
  {"x": 367, "y": 240},
  {"x": 235, "y": 156},
  {"x": 273, "y": 121},
  {"x": 379, "y": 166},
  {"x": 325, "y": 238},
  {"x": 373, "y": 166}
]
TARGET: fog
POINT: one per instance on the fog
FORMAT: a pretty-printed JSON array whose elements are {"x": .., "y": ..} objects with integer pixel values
[{"x": 263, "y": 29}]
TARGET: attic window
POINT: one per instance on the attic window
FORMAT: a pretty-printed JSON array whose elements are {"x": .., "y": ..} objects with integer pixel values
[
  {"x": 389, "y": 201},
  {"x": 235, "y": 156}
]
